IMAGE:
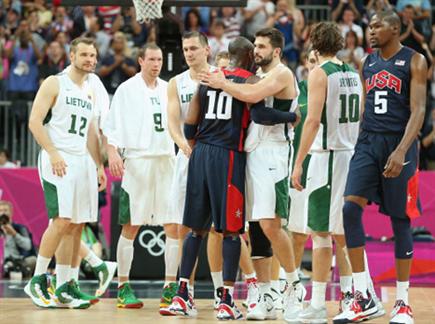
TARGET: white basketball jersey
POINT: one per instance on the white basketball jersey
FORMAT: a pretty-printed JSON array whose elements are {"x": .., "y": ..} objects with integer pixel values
[
  {"x": 67, "y": 122},
  {"x": 279, "y": 133},
  {"x": 186, "y": 88},
  {"x": 339, "y": 126}
]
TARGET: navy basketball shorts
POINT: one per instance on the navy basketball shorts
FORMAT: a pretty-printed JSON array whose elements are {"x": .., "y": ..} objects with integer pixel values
[
  {"x": 215, "y": 189},
  {"x": 396, "y": 197}
]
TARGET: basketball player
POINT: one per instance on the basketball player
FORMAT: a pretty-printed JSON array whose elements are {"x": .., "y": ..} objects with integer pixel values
[
  {"x": 298, "y": 220},
  {"x": 384, "y": 166},
  {"x": 267, "y": 150},
  {"x": 62, "y": 121},
  {"x": 137, "y": 124},
  {"x": 104, "y": 270}
]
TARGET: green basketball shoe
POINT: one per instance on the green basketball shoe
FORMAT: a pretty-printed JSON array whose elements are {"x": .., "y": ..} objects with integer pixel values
[
  {"x": 81, "y": 295},
  {"x": 169, "y": 292},
  {"x": 104, "y": 274},
  {"x": 37, "y": 289},
  {"x": 67, "y": 297},
  {"x": 126, "y": 297}
]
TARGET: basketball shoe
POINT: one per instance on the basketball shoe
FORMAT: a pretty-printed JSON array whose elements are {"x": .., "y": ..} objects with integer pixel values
[
  {"x": 182, "y": 303},
  {"x": 253, "y": 293},
  {"x": 294, "y": 299},
  {"x": 345, "y": 301},
  {"x": 127, "y": 298},
  {"x": 358, "y": 311},
  {"x": 104, "y": 273},
  {"x": 262, "y": 309},
  {"x": 227, "y": 310},
  {"x": 313, "y": 315},
  {"x": 401, "y": 314},
  {"x": 37, "y": 290},
  {"x": 68, "y": 297},
  {"x": 217, "y": 297},
  {"x": 168, "y": 294},
  {"x": 81, "y": 295}
]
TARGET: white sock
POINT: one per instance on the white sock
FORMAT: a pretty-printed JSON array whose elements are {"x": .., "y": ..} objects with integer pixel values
[
  {"x": 93, "y": 259},
  {"x": 318, "y": 294},
  {"x": 191, "y": 290},
  {"x": 63, "y": 274},
  {"x": 402, "y": 291},
  {"x": 264, "y": 287},
  {"x": 74, "y": 273},
  {"x": 346, "y": 284},
  {"x": 124, "y": 256},
  {"x": 360, "y": 282},
  {"x": 217, "y": 279},
  {"x": 370, "y": 285},
  {"x": 250, "y": 276},
  {"x": 41, "y": 265},
  {"x": 171, "y": 257},
  {"x": 292, "y": 277},
  {"x": 282, "y": 274},
  {"x": 274, "y": 284}
]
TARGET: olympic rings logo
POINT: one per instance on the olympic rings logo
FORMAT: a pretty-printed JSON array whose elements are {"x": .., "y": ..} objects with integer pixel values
[{"x": 155, "y": 244}]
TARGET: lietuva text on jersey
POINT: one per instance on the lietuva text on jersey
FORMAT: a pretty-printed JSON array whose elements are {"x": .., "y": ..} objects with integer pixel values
[
  {"x": 224, "y": 119},
  {"x": 77, "y": 102},
  {"x": 387, "y": 84}
]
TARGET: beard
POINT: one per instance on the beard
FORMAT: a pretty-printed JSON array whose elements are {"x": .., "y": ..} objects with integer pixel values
[
  {"x": 264, "y": 61},
  {"x": 83, "y": 68}
]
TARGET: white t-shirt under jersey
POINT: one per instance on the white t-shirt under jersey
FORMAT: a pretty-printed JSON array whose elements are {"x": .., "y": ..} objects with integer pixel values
[{"x": 137, "y": 119}]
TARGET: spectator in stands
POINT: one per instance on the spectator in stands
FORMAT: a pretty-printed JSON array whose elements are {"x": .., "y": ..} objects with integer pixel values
[
  {"x": 5, "y": 159},
  {"x": 222, "y": 59},
  {"x": 109, "y": 14},
  {"x": 23, "y": 55},
  {"x": 193, "y": 22},
  {"x": 302, "y": 69},
  {"x": 375, "y": 6},
  {"x": 285, "y": 22},
  {"x": 207, "y": 14},
  {"x": 217, "y": 41},
  {"x": 45, "y": 16},
  {"x": 338, "y": 7},
  {"x": 61, "y": 23},
  {"x": 422, "y": 12},
  {"x": 64, "y": 40},
  {"x": 411, "y": 32},
  {"x": 256, "y": 14},
  {"x": 117, "y": 66},
  {"x": 348, "y": 23},
  {"x": 4, "y": 64},
  {"x": 38, "y": 33},
  {"x": 19, "y": 252},
  {"x": 12, "y": 21},
  {"x": 351, "y": 53},
  {"x": 83, "y": 17},
  {"x": 102, "y": 39},
  {"x": 305, "y": 37},
  {"x": 126, "y": 22},
  {"x": 54, "y": 61},
  {"x": 233, "y": 21}
]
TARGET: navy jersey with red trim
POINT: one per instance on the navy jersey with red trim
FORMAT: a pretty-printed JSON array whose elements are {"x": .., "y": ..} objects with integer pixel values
[
  {"x": 223, "y": 119},
  {"x": 388, "y": 85}
]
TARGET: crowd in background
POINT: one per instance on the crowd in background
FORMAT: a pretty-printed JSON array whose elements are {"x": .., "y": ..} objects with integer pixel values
[{"x": 35, "y": 37}]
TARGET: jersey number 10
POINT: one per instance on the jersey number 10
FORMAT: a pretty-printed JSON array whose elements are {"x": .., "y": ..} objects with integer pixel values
[{"x": 221, "y": 109}]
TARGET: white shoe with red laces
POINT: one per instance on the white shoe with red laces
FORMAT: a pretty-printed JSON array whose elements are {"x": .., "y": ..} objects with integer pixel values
[{"x": 401, "y": 314}]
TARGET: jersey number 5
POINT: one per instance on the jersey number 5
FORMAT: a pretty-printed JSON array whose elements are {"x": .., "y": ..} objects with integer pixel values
[
  {"x": 221, "y": 109},
  {"x": 381, "y": 102}
]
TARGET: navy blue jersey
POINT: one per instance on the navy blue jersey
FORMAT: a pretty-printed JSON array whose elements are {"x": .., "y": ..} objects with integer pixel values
[
  {"x": 223, "y": 119},
  {"x": 388, "y": 86}
]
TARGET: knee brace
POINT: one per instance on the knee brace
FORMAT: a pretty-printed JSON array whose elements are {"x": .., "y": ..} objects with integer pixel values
[
  {"x": 403, "y": 245},
  {"x": 353, "y": 227},
  {"x": 321, "y": 241},
  {"x": 261, "y": 247}
]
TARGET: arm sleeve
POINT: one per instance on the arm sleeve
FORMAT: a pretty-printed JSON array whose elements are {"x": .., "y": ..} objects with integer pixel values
[{"x": 260, "y": 114}]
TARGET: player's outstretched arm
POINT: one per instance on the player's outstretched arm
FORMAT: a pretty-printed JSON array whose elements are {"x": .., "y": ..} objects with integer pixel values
[
  {"x": 317, "y": 85},
  {"x": 93, "y": 144},
  {"x": 174, "y": 117},
  {"x": 274, "y": 82},
  {"x": 44, "y": 100},
  {"x": 395, "y": 161}
]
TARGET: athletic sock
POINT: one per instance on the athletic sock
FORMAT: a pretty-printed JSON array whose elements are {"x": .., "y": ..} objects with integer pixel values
[
  {"x": 63, "y": 274},
  {"x": 171, "y": 257},
  {"x": 41, "y": 265},
  {"x": 318, "y": 297},
  {"x": 402, "y": 288},
  {"x": 217, "y": 279},
  {"x": 93, "y": 259},
  {"x": 346, "y": 284},
  {"x": 274, "y": 284},
  {"x": 360, "y": 282},
  {"x": 124, "y": 256},
  {"x": 292, "y": 277},
  {"x": 250, "y": 276},
  {"x": 74, "y": 273}
]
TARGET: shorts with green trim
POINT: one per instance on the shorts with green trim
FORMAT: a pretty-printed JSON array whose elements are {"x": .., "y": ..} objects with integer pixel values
[
  {"x": 267, "y": 182},
  {"x": 326, "y": 180},
  {"x": 145, "y": 191},
  {"x": 75, "y": 195}
]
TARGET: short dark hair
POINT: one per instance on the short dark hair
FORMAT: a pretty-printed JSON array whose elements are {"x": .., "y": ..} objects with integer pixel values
[
  {"x": 142, "y": 51},
  {"x": 192, "y": 34},
  {"x": 391, "y": 17},
  {"x": 275, "y": 36},
  {"x": 85, "y": 40},
  {"x": 326, "y": 38}
]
